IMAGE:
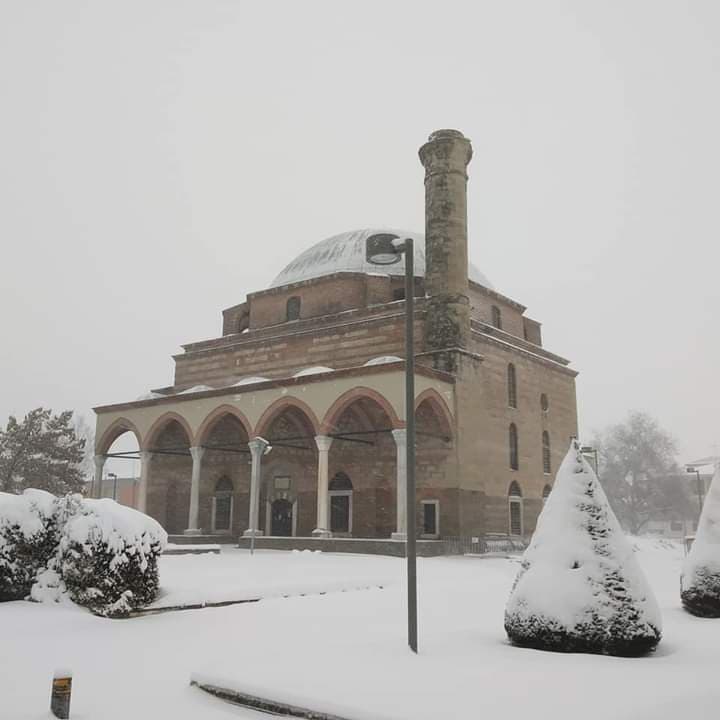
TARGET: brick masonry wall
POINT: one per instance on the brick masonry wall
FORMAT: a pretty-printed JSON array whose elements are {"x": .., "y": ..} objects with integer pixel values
[
  {"x": 484, "y": 417},
  {"x": 339, "y": 346}
]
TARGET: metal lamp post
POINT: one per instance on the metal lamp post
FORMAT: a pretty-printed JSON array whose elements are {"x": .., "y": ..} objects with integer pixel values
[
  {"x": 692, "y": 469},
  {"x": 114, "y": 478},
  {"x": 589, "y": 450},
  {"x": 386, "y": 249}
]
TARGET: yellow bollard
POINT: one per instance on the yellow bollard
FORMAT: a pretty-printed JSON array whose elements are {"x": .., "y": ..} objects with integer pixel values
[{"x": 60, "y": 697}]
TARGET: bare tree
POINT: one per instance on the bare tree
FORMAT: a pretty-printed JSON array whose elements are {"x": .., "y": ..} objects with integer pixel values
[{"x": 638, "y": 470}]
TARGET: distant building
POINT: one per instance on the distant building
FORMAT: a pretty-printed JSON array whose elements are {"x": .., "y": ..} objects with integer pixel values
[
  {"x": 313, "y": 365},
  {"x": 124, "y": 490}
]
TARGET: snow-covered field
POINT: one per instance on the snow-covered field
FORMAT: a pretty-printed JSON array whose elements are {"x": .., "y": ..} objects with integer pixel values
[{"x": 346, "y": 651}]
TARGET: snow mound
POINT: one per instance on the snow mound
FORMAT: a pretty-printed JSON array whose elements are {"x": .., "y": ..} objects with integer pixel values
[
  {"x": 580, "y": 588},
  {"x": 108, "y": 556},
  {"x": 251, "y": 380},
  {"x": 313, "y": 371},
  {"x": 148, "y": 396},
  {"x": 382, "y": 360},
  {"x": 700, "y": 580}
]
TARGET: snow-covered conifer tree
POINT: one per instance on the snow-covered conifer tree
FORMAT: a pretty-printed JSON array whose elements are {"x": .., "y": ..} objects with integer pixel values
[
  {"x": 579, "y": 588},
  {"x": 700, "y": 581}
]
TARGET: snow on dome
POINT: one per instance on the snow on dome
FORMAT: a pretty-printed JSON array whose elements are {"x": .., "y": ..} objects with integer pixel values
[
  {"x": 251, "y": 380},
  {"x": 313, "y": 371},
  {"x": 346, "y": 253},
  {"x": 194, "y": 389},
  {"x": 580, "y": 588},
  {"x": 700, "y": 580},
  {"x": 382, "y": 360}
]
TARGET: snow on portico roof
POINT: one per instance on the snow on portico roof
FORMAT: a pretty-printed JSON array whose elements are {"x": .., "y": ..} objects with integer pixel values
[{"x": 346, "y": 253}]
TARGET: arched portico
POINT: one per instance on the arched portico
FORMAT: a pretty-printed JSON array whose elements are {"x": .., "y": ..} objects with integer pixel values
[
  {"x": 289, "y": 476},
  {"x": 169, "y": 469},
  {"x": 363, "y": 450}
]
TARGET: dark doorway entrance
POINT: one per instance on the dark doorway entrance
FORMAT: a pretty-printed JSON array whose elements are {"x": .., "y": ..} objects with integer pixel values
[
  {"x": 281, "y": 518},
  {"x": 340, "y": 513}
]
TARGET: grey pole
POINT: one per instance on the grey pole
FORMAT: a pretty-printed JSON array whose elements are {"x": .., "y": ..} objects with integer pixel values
[
  {"x": 410, "y": 446},
  {"x": 386, "y": 249}
]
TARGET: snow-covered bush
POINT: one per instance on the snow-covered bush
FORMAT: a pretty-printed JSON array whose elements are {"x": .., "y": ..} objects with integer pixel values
[
  {"x": 700, "y": 580},
  {"x": 28, "y": 538},
  {"x": 107, "y": 557},
  {"x": 579, "y": 588}
]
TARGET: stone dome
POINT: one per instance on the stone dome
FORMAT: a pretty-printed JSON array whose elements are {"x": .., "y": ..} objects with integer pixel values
[{"x": 346, "y": 253}]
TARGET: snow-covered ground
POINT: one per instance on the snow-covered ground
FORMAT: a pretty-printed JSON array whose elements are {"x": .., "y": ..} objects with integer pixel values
[{"x": 346, "y": 651}]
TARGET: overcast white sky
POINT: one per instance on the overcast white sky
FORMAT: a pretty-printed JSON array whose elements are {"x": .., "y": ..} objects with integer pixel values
[{"x": 160, "y": 159}]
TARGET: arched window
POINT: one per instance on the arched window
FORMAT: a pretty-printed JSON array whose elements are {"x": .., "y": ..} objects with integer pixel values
[
  {"x": 496, "y": 317},
  {"x": 515, "y": 509},
  {"x": 546, "y": 452},
  {"x": 222, "y": 505},
  {"x": 513, "y": 444},
  {"x": 511, "y": 386},
  {"x": 340, "y": 481},
  {"x": 544, "y": 402},
  {"x": 546, "y": 493},
  {"x": 293, "y": 308}
]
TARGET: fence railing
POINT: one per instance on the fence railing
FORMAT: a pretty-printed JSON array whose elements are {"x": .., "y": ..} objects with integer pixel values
[{"x": 484, "y": 544}]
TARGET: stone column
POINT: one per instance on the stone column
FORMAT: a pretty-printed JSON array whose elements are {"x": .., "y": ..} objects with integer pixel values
[
  {"x": 194, "y": 514},
  {"x": 145, "y": 458},
  {"x": 445, "y": 157},
  {"x": 400, "y": 437},
  {"x": 257, "y": 450},
  {"x": 322, "y": 530},
  {"x": 96, "y": 489}
]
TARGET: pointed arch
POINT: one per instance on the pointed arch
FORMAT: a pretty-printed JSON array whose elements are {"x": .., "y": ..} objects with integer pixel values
[
  {"x": 440, "y": 407},
  {"x": 332, "y": 416},
  {"x": 273, "y": 411},
  {"x": 159, "y": 424},
  {"x": 214, "y": 416},
  {"x": 117, "y": 428}
]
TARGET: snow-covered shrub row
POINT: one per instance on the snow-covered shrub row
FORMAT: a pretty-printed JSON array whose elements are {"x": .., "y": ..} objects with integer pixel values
[
  {"x": 580, "y": 588},
  {"x": 102, "y": 554},
  {"x": 107, "y": 557},
  {"x": 28, "y": 538},
  {"x": 700, "y": 580}
]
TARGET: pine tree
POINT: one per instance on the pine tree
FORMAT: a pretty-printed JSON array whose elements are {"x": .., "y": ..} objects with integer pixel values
[
  {"x": 42, "y": 451},
  {"x": 700, "y": 581},
  {"x": 579, "y": 588}
]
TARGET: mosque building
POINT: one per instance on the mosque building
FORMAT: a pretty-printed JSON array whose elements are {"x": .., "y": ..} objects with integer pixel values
[{"x": 290, "y": 426}]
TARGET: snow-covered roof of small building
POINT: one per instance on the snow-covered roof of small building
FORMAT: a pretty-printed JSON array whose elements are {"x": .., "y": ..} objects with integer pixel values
[{"x": 346, "y": 253}]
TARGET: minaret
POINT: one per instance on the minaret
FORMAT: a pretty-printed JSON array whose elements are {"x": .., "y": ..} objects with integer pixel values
[{"x": 445, "y": 157}]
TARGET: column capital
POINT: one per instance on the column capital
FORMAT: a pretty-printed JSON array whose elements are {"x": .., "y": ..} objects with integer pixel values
[
  {"x": 323, "y": 442},
  {"x": 100, "y": 461},
  {"x": 145, "y": 455},
  {"x": 257, "y": 446},
  {"x": 197, "y": 452},
  {"x": 400, "y": 436}
]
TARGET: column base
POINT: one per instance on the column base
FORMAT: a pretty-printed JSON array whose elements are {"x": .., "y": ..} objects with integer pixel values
[
  {"x": 400, "y": 537},
  {"x": 319, "y": 533},
  {"x": 193, "y": 531},
  {"x": 253, "y": 533}
]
